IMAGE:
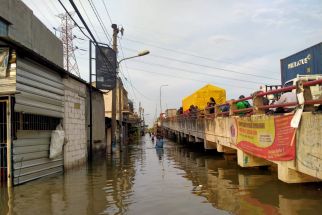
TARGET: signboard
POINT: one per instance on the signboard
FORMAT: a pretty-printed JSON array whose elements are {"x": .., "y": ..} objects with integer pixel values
[
  {"x": 105, "y": 68},
  {"x": 271, "y": 138},
  {"x": 4, "y": 59}
]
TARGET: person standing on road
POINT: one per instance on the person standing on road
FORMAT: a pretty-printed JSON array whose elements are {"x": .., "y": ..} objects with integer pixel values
[
  {"x": 288, "y": 97},
  {"x": 211, "y": 105},
  {"x": 242, "y": 105}
]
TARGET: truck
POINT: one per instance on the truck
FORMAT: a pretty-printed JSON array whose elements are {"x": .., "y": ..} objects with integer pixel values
[
  {"x": 316, "y": 90},
  {"x": 307, "y": 62}
]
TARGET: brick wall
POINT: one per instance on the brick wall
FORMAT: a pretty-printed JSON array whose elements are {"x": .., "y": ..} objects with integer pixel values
[{"x": 75, "y": 151}]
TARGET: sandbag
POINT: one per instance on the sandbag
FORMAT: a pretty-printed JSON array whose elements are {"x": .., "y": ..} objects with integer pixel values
[{"x": 57, "y": 142}]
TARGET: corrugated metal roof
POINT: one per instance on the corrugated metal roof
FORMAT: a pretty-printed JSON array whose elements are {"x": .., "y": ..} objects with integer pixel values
[{"x": 23, "y": 51}]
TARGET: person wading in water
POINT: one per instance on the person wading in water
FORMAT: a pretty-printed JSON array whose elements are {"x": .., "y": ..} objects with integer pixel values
[{"x": 159, "y": 137}]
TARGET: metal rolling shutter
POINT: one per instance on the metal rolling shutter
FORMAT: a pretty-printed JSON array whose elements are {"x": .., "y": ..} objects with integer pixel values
[
  {"x": 30, "y": 157},
  {"x": 39, "y": 90}
]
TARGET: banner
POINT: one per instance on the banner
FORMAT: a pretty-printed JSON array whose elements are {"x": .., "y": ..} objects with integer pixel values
[
  {"x": 105, "y": 68},
  {"x": 271, "y": 138}
]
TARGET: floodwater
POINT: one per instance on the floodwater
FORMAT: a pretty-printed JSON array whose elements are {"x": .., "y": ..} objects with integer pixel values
[{"x": 174, "y": 180}]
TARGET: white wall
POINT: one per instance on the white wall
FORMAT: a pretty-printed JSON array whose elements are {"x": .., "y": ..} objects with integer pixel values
[{"x": 75, "y": 151}]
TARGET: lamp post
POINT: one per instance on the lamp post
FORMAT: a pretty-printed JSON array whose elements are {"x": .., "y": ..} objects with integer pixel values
[
  {"x": 164, "y": 85},
  {"x": 140, "y": 54}
]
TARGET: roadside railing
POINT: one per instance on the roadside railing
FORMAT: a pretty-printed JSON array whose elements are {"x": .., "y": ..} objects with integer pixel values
[{"x": 257, "y": 99}]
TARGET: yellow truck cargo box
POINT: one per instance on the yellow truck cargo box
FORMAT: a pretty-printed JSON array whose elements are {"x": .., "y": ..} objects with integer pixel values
[{"x": 202, "y": 96}]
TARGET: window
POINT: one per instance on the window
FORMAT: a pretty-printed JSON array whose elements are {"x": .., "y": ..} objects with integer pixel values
[{"x": 3, "y": 28}]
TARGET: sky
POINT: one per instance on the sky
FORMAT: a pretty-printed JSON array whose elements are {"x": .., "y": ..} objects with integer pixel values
[{"x": 236, "y": 45}]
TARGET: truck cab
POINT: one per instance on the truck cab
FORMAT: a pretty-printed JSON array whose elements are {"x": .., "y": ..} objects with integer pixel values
[{"x": 316, "y": 90}]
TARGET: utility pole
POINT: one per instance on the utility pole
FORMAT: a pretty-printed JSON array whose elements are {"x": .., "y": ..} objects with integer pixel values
[
  {"x": 66, "y": 35},
  {"x": 120, "y": 113},
  {"x": 90, "y": 105},
  {"x": 113, "y": 135}
]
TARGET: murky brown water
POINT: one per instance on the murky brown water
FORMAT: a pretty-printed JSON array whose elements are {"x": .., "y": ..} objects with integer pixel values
[{"x": 175, "y": 180}]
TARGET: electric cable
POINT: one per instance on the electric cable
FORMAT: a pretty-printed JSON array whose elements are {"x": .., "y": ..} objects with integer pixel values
[
  {"x": 80, "y": 28},
  {"x": 108, "y": 14},
  {"x": 195, "y": 72},
  {"x": 122, "y": 52},
  {"x": 100, "y": 20},
  {"x": 191, "y": 79},
  {"x": 42, "y": 14},
  {"x": 190, "y": 54},
  {"x": 206, "y": 66},
  {"x": 55, "y": 7},
  {"x": 89, "y": 20},
  {"x": 89, "y": 31}
]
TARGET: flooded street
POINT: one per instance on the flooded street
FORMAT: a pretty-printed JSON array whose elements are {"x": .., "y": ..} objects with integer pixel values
[{"x": 173, "y": 180}]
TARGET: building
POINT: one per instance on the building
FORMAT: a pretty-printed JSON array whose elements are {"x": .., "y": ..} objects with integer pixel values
[
  {"x": 37, "y": 94},
  {"x": 124, "y": 115}
]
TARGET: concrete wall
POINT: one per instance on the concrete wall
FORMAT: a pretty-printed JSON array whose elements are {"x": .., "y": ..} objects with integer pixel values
[
  {"x": 99, "y": 137},
  {"x": 75, "y": 151},
  {"x": 108, "y": 102},
  {"x": 27, "y": 29},
  {"x": 217, "y": 135},
  {"x": 309, "y": 145}
]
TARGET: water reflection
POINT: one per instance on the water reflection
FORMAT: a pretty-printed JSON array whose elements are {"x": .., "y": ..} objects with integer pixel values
[
  {"x": 160, "y": 152},
  {"x": 173, "y": 180},
  {"x": 244, "y": 191}
]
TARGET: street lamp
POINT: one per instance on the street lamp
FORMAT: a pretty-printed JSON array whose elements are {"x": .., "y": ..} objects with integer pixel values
[
  {"x": 164, "y": 85},
  {"x": 140, "y": 54}
]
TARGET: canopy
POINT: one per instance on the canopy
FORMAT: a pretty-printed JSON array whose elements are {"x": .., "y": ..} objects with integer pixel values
[{"x": 202, "y": 96}]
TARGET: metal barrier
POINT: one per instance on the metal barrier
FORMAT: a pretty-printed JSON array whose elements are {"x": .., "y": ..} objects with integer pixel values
[{"x": 258, "y": 106}]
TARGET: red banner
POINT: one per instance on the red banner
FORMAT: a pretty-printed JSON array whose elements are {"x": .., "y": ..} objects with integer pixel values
[{"x": 271, "y": 137}]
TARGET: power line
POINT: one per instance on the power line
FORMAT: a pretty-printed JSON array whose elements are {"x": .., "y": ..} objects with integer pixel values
[
  {"x": 212, "y": 67},
  {"x": 130, "y": 83},
  {"x": 93, "y": 39},
  {"x": 42, "y": 14},
  {"x": 67, "y": 37},
  {"x": 108, "y": 14},
  {"x": 53, "y": 4},
  {"x": 144, "y": 96},
  {"x": 80, "y": 28},
  {"x": 206, "y": 66},
  {"x": 89, "y": 20},
  {"x": 89, "y": 31},
  {"x": 100, "y": 20},
  {"x": 190, "y": 54},
  {"x": 195, "y": 72},
  {"x": 122, "y": 52},
  {"x": 125, "y": 81},
  {"x": 191, "y": 79},
  {"x": 134, "y": 88}
]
